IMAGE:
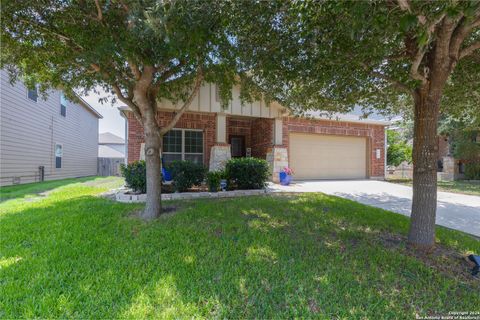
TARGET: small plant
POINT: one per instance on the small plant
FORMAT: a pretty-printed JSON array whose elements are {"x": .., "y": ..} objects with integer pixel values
[
  {"x": 135, "y": 175},
  {"x": 288, "y": 171},
  {"x": 213, "y": 180},
  {"x": 247, "y": 173},
  {"x": 186, "y": 174}
]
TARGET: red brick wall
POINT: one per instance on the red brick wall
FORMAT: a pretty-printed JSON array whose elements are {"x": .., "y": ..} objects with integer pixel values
[
  {"x": 259, "y": 133},
  {"x": 262, "y": 137},
  {"x": 201, "y": 121},
  {"x": 374, "y": 133},
  {"x": 443, "y": 146},
  {"x": 240, "y": 127}
]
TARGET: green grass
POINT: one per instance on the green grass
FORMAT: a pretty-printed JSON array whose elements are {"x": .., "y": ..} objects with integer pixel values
[
  {"x": 458, "y": 186},
  {"x": 72, "y": 254}
]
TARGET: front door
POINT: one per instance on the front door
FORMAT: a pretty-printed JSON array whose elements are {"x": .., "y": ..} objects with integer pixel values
[{"x": 237, "y": 144}]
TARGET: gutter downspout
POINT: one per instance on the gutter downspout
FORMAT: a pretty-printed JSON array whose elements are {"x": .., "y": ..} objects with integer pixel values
[{"x": 122, "y": 114}]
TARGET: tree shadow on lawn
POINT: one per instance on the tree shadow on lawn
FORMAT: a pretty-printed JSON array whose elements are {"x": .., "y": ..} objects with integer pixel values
[
  {"x": 258, "y": 257},
  {"x": 39, "y": 189}
]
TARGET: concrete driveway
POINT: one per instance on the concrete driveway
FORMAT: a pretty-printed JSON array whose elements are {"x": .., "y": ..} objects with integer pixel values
[{"x": 455, "y": 211}]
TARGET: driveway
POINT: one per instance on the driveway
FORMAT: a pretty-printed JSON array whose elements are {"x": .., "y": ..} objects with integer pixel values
[{"x": 455, "y": 211}]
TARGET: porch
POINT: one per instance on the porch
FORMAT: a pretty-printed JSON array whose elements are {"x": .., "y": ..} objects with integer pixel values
[{"x": 238, "y": 136}]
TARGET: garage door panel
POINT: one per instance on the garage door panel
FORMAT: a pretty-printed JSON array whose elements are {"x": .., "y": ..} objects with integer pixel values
[{"x": 314, "y": 156}]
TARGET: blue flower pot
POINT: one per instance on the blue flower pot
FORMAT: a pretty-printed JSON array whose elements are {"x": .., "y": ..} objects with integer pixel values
[{"x": 285, "y": 179}]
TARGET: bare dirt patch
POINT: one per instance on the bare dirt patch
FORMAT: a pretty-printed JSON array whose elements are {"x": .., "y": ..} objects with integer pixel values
[{"x": 443, "y": 259}]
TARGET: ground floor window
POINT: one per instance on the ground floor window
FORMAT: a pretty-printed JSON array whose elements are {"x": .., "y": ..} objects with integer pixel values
[
  {"x": 58, "y": 155},
  {"x": 183, "y": 144}
]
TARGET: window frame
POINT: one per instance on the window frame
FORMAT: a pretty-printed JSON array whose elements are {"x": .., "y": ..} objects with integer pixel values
[
  {"x": 183, "y": 153},
  {"x": 55, "y": 155},
  {"x": 36, "y": 93},
  {"x": 63, "y": 106}
]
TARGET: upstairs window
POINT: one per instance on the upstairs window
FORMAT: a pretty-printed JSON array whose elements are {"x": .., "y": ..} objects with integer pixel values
[
  {"x": 58, "y": 155},
  {"x": 63, "y": 105},
  {"x": 32, "y": 93}
]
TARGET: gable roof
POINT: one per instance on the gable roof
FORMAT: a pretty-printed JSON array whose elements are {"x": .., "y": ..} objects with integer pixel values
[
  {"x": 110, "y": 138},
  {"x": 84, "y": 104}
]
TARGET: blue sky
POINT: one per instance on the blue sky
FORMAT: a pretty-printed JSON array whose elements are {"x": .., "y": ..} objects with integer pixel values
[{"x": 112, "y": 121}]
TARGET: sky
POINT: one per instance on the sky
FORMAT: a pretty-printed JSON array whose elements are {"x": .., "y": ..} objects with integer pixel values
[{"x": 112, "y": 120}]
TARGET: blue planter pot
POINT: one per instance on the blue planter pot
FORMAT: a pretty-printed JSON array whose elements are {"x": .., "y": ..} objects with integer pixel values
[{"x": 285, "y": 179}]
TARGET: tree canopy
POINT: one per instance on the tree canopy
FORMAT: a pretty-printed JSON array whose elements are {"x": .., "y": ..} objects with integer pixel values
[{"x": 335, "y": 55}]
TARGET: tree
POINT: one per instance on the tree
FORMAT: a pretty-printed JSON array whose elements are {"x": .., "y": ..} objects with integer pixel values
[
  {"x": 398, "y": 150},
  {"x": 383, "y": 55},
  {"x": 141, "y": 51}
]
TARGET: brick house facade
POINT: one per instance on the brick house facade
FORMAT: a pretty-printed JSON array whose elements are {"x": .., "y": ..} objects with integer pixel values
[{"x": 209, "y": 134}]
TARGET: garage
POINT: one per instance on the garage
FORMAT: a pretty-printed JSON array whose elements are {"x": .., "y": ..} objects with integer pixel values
[{"x": 316, "y": 156}]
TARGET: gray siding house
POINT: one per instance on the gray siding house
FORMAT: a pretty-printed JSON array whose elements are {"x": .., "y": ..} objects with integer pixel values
[{"x": 44, "y": 139}]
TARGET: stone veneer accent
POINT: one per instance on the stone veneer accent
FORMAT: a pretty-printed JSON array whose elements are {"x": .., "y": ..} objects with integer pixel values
[
  {"x": 277, "y": 158},
  {"x": 122, "y": 196},
  {"x": 219, "y": 155}
]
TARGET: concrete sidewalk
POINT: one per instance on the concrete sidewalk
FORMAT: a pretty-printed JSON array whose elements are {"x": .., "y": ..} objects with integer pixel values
[{"x": 455, "y": 211}]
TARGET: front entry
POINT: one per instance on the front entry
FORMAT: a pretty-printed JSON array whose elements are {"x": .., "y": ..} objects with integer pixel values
[{"x": 237, "y": 144}]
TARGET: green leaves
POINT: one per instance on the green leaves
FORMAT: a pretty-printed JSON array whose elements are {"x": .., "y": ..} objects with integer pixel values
[{"x": 408, "y": 22}]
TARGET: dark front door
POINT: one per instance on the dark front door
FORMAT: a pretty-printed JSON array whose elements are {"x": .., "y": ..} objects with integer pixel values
[{"x": 237, "y": 143}]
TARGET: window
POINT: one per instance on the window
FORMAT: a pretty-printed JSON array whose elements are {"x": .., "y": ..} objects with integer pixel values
[
  {"x": 32, "y": 93},
  {"x": 180, "y": 144},
  {"x": 63, "y": 105},
  {"x": 58, "y": 155}
]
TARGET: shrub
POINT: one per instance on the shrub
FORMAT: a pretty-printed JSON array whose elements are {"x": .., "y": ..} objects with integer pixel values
[
  {"x": 247, "y": 173},
  {"x": 213, "y": 180},
  {"x": 186, "y": 174},
  {"x": 472, "y": 171},
  {"x": 135, "y": 175}
]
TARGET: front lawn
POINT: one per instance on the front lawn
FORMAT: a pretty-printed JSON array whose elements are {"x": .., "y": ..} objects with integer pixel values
[
  {"x": 67, "y": 253},
  {"x": 458, "y": 186}
]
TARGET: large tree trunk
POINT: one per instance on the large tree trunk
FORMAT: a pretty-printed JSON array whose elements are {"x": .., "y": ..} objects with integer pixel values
[
  {"x": 153, "y": 142},
  {"x": 425, "y": 153}
]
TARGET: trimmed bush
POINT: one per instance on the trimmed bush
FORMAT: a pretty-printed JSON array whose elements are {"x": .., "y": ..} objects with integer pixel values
[
  {"x": 135, "y": 175},
  {"x": 247, "y": 173},
  {"x": 186, "y": 174},
  {"x": 472, "y": 171},
  {"x": 213, "y": 180}
]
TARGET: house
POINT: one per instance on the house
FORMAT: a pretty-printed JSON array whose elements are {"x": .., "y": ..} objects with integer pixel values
[
  {"x": 44, "y": 139},
  {"x": 111, "y": 154},
  {"x": 448, "y": 167},
  {"x": 315, "y": 147},
  {"x": 110, "y": 146}
]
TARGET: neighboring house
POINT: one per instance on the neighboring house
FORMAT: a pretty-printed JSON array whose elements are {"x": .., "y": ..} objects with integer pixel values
[
  {"x": 110, "y": 146},
  {"x": 44, "y": 139},
  {"x": 314, "y": 147},
  {"x": 111, "y": 153},
  {"x": 448, "y": 167}
]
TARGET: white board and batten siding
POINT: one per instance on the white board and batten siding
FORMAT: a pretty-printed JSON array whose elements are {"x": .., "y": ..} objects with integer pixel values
[
  {"x": 207, "y": 100},
  {"x": 29, "y": 131}
]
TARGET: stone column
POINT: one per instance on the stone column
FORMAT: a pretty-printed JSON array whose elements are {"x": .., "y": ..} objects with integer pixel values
[
  {"x": 277, "y": 156},
  {"x": 220, "y": 153}
]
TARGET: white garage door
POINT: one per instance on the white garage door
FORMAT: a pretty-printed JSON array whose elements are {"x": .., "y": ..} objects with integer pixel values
[{"x": 315, "y": 156}]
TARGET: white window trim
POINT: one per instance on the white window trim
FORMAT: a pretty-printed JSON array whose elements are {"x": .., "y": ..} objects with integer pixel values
[
  {"x": 183, "y": 144},
  {"x": 55, "y": 155}
]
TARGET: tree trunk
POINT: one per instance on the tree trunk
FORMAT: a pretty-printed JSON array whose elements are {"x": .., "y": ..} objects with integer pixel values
[
  {"x": 153, "y": 206},
  {"x": 425, "y": 153}
]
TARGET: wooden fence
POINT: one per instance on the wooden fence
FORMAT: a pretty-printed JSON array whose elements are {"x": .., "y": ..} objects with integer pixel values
[{"x": 109, "y": 166}]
